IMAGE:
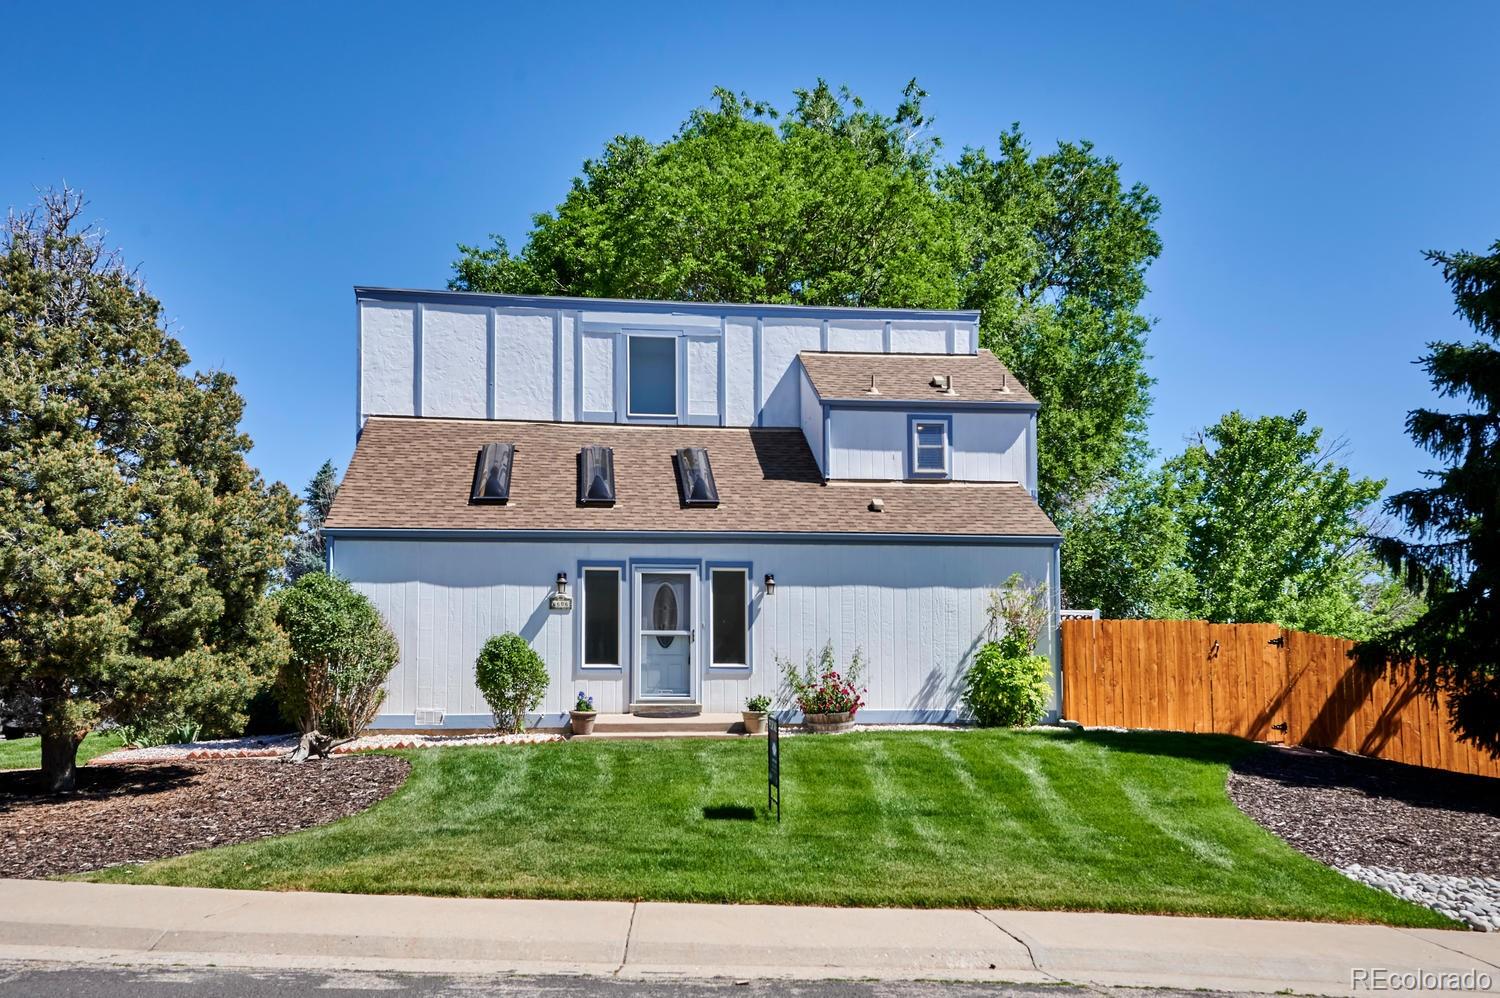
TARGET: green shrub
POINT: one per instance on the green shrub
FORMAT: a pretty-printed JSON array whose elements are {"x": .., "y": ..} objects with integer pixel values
[
  {"x": 512, "y": 677},
  {"x": 174, "y": 731},
  {"x": 341, "y": 654},
  {"x": 1006, "y": 685},
  {"x": 758, "y": 704}
]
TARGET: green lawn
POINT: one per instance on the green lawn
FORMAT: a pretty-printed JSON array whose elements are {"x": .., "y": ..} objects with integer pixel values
[
  {"x": 26, "y": 753},
  {"x": 1137, "y": 823}
]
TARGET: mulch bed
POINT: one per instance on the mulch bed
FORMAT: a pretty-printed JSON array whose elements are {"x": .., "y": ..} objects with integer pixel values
[
  {"x": 1342, "y": 809},
  {"x": 133, "y": 812}
]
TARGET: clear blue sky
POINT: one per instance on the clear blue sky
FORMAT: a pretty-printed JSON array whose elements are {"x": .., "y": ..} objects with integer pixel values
[{"x": 259, "y": 160}]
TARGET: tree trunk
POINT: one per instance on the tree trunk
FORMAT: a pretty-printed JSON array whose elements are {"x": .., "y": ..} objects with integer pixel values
[
  {"x": 314, "y": 743},
  {"x": 60, "y": 762}
]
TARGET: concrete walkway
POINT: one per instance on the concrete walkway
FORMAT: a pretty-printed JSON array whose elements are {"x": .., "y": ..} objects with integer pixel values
[{"x": 73, "y": 922}]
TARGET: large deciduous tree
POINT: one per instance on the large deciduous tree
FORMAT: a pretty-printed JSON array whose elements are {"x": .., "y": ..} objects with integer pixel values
[
  {"x": 1452, "y": 552},
  {"x": 1055, "y": 251},
  {"x": 137, "y": 541},
  {"x": 836, "y": 204},
  {"x": 1256, "y": 520},
  {"x": 1273, "y": 525},
  {"x": 832, "y": 205}
]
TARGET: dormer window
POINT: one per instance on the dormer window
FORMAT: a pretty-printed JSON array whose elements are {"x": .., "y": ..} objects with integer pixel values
[
  {"x": 931, "y": 447},
  {"x": 596, "y": 476},
  {"x": 492, "y": 474},
  {"x": 651, "y": 376}
]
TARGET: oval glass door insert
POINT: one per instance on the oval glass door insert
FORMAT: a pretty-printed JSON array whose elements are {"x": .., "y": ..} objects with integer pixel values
[{"x": 664, "y": 613}]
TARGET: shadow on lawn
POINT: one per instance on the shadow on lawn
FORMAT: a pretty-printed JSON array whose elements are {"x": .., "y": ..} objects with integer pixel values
[
  {"x": 1314, "y": 769},
  {"x": 1218, "y": 749},
  {"x": 729, "y": 812}
]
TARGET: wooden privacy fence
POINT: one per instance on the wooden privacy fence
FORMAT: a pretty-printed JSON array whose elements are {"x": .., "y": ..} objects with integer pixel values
[{"x": 1253, "y": 680}]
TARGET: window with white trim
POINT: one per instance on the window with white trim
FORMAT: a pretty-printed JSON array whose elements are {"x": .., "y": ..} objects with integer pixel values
[
  {"x": 930, "y": 448},
  {"x": 651, "y": 376},
  {"x": 601, "y": 618},
  {"x": 729, "y": 617}
]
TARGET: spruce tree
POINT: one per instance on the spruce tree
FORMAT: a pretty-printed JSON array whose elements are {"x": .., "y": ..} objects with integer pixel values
[
  {"x": 137, "y": 541},
  {"x": 1452, "y": 551}
]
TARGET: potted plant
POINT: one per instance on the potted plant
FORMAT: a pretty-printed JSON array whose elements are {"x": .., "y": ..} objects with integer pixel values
[
  {"x": 828, "y": 698},
  {"x": 583, "y": 714},
  {"x": 755, "y": 712}
]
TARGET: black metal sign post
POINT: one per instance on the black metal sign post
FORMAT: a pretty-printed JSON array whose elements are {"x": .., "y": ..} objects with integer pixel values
[{"x": 773, "y": 765}]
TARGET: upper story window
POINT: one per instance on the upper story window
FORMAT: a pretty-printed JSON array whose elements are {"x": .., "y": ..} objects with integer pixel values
[
  {"x": 931, "y": 447},
  {"x": 651, "y": 376}
]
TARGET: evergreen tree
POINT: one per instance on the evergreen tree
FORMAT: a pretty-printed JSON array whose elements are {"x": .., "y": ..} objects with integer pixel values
[
  {"x": 137, "y": 541},
  {"x": 308, "y": 553},
  {"x": 1452, "y": 555}
]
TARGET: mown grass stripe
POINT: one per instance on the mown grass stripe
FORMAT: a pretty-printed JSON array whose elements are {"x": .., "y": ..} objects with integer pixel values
[{"x": 1091, "y": 821}]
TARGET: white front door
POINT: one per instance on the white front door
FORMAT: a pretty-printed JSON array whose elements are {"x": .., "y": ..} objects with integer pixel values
[{"x": 664, "y": 633}]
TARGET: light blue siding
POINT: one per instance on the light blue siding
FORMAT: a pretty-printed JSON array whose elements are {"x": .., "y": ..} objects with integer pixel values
[
  {"x": 916, "y": 611},
  {"x": 985, "y": 446},
  {"x": 502, "y": 357}
]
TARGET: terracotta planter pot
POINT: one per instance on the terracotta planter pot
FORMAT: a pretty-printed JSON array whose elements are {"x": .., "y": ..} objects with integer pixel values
[
  {"x": 829, "y": 724},
  {"x": 582, "y": 721},
  {"x": 755, "y": 721}
]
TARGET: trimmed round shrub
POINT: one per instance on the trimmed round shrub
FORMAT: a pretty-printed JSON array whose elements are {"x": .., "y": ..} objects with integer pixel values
[
  {"x": 341, "y": 653},
  {"x": 1006, "y": 687},
  {"x": 513, "y": 679}
]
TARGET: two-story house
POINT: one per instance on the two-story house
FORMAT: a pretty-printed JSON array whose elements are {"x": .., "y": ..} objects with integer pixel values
[{"x": 664, "y": 498}]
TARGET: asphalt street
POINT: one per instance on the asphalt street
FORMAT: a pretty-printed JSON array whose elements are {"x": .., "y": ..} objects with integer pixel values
[{"x": 62, "y": 980}]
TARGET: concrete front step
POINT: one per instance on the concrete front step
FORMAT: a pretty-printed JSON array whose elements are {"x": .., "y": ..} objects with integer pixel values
[
  {"x": 657, "y": 709},
  {"x": 699, "y": 725},
  {"x": 649, "y": 735}
]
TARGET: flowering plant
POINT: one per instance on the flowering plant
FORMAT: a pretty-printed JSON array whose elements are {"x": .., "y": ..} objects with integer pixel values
[
  {"x": 585, "y": 702},
  {"x": 758, "y": 704},
  {"x": 817, "y": 687}
]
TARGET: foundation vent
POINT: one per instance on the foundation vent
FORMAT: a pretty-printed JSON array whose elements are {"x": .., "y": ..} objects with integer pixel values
[{"x": 429, "y": 717}]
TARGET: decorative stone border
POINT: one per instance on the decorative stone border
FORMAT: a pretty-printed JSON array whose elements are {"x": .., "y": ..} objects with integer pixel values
[
  {"x": 1474, "y": 900},
  {"x": 266, "y": 747}
]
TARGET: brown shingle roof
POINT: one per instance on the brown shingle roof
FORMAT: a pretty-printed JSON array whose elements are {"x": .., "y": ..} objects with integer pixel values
[
  {"x": 415, "y": 473},
  {"x": 904, "y": 377}
]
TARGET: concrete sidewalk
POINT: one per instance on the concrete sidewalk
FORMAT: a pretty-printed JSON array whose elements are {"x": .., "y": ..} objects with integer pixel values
[{"x": 74, "y": 922}]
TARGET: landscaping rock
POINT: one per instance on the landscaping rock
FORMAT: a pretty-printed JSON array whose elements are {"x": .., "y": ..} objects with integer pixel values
[
  {"x": 271, "y": 746},
  {"x": 1475, "y": 900},
  {"x": 1345, "y": 810},
  {"x": 130, "y": 813},
  {"x": 1428, "y": 836}
]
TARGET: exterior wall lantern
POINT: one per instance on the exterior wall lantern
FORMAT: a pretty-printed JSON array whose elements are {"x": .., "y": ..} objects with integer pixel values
[
  {"x": 770, "y": 584},
  {"x": 560, "y": 600}
]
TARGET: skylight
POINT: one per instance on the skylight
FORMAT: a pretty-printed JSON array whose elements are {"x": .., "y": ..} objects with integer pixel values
[
  {"x": 492, "y": 474},
  {"x": 596, "y": 475},
  {"x": 695, "y": 477}
]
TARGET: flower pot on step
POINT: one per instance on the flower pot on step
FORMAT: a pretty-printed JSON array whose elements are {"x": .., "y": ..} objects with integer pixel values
[
  {"x": 755, "y": 721},
  {"x": 829, "y": 724},
  {"x": 582, "y": 721}
]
